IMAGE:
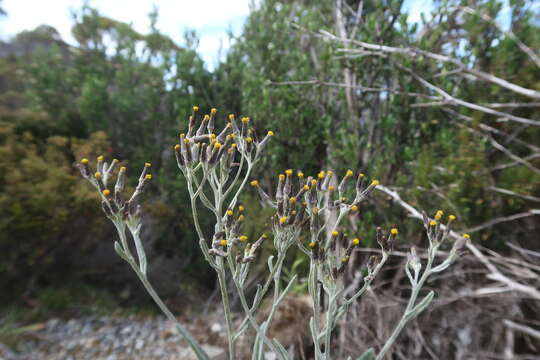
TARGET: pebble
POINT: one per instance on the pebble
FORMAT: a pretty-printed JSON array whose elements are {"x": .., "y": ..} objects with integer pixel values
[{"x": 110, "y": 338}]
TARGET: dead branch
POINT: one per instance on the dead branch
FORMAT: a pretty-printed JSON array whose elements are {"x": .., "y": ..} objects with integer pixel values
[
  {"x": 413, "y": 52},
  {"x": 495, "y": 273}
]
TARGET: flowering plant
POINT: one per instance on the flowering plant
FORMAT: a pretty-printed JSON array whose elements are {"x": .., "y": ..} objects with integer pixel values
[{"x": 217, "y": 169}]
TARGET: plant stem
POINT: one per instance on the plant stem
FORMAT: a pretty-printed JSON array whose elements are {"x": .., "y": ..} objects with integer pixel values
[
  {"x": 199, "y": 352},
  {"x": 226, "y": 306}
]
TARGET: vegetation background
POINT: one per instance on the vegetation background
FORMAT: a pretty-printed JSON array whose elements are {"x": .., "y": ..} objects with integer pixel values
[{"x": 126, "y": 95}]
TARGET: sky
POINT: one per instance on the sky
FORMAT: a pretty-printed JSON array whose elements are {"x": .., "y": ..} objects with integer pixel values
[{"x": 210, "y": 18}]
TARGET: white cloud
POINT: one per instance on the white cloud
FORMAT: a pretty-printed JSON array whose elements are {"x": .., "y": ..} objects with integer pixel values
[{"x": 210, "y": 18}]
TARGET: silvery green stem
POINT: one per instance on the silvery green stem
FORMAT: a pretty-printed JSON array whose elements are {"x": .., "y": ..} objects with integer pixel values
[
  {"x": 412, "y": 300},
  {"x": 199, "y": 352},
  {"x": 226, "y": 306}
]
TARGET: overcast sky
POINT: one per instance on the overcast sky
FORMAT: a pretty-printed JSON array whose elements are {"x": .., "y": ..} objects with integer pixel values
[{"x": 210, "y": 18}]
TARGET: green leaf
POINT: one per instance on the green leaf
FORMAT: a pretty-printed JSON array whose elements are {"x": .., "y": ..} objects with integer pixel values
[{"x": 421, "y": 306}]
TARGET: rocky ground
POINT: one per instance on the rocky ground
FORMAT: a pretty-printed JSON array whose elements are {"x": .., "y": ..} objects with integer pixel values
[{"x": 108, "y": 338}]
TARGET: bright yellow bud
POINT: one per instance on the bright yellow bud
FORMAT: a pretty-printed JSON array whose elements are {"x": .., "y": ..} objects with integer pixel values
[
  {"x": 313, "y": 182},
  {"x": 106, "y": 192},
  {"x": 123, "y": 169},
  {"x": 177, "y": 147},
  {"x": 213, "y": 110},
  {"x": 467, "y": 236},
  {"x": 321, "y": 175},
  {"x": 300, "y": 174},
  {"x": 451, "y": 217},
  {"x": 233, "y": 145},
  {"x": 282, "y": 220},
  {"x": 349, "y": 173},
  {"x": 312, "y": 244},
  {"x": 249, "y": 139},
  {"x": 148, "y": 177},
  {"x": 241, "y": 218},
  {"x": 243, "y": 238},
  {"x": 241, "y": 208},
  {"x": 84, "y": 161},
  {"x": 331, "y": 188},
  {"x": 432, "y": 223},
  {"x": 356, "y": 241},
  {"x": 245, "y": 120},
  {"x": 306, "y": 187},
  {"x": 354, "y": 208},
  {"x": 195, "y": 108},
  {"x": 345, "y": 259},
  {"x": 335, "y": 233},
  {"x": 229, "y": 212},
  {"x": 375, "y": 182},
  {"x": 288, "y": 172},
  {"x": 281, "y": 177},
  {"x": 97, "y": 175},
  {"x": 394, "y": 231},
  {"x": 100, "y": 158},
  {"x": 254, "y": 183},
  {"x": 270, "y": 133},
  {"x": 292, "y": 200},
  {"x": 231, "y": 117},
  {"x": 217, "y": 145},
  {"x": 147, "y": 165},
  {"x": 223, "y": 242}
]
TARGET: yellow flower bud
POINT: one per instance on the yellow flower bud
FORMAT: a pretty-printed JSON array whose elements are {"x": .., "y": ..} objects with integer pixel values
[
  {"x": 106, "y": 192},
  {"x": 300, "y": 174},
  {"x": 466, "y": 236},
  {"x": 245, "y": 120},
  {"x": 229, "y": 212},
  {"x": 292, "y": 200},
  {"x": 241, "y": 208},
  {"x": 231, "y": 117},
  {"x": 97, "y": 175},
  {"x": 356, "y": 241},
  {"x": 306, "y": 187},
  {"x": 241, "y": 218},
  {"x": 349, "y": 173},
  {"x": 264, "y": 236},
  {"x": 312, "y": 244},
  {"x": 288, "y": 172},
  {"x": 313, "y": 182},
  {"x": 243, "y": 238},
  {"x": 281, "y": 177},
  {"x": 249, "y": 139},
  {"x": 335, "y": 233},
  {"x": 206, "y": 117},
  {"x": 233, "y": 145},
  {"x": 282, "y": 220},
  {"x": 195, "y": 108},
  {"x": 331, "y": 188},
  {"x": 394, "y": 231},
  {"x": 432, "y": 223},
  {"x": 148, "y": 177},
  {"x": 100, "y": 158},
  {"x": 321, "y": 175},
  {"x": 451, "y": 217},
  {"x": 177, "y": 147},
  {"x": 217, "y": 145},
  {"x": 270, "y": 133},
  {"x": 254, "y": 183},
  {"x": 123, "y": 169},
  {"x": 213, "y": 110},
  {"x": 345, "y": 259},
  {"x": 147, "y": 165},
  {"x": 84, "y": 161},
  {"x": 223, "y": 242},
  {"x": 354, "y": 208},
  {"x": 375, "y": 182}
]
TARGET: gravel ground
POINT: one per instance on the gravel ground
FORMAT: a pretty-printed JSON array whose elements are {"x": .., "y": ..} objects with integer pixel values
[{"x": 106, "y": 338}]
